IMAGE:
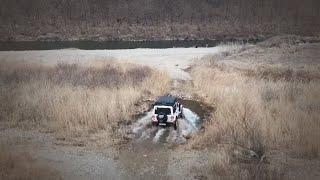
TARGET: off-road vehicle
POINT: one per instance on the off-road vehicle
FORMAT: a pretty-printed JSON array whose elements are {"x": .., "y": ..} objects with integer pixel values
[{"x": 166, "y": 111}]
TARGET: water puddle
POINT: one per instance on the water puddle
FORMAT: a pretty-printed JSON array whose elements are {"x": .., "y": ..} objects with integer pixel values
[
  {"x": 148, "y": 153},
  {"x": 191, "y": 122},
  {"x": 197, "y": 107}
]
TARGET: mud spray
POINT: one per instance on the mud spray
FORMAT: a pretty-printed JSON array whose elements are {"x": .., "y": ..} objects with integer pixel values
[
  {"x": 188, "y": 124},
  {"x": 148, "y": 155}
]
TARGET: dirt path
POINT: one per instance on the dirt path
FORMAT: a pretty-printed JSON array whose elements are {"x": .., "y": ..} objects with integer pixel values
[
  {"x": 72, "y": 161},
  {"x": 173, "y": 60}
]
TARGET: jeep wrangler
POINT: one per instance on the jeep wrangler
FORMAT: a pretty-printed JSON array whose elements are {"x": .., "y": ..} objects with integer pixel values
[{"x": 166, "y": 111}]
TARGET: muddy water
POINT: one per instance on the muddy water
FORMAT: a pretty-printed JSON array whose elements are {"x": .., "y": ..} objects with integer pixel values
[
  {"x": 148, "y": 155},
  {"x": 144, "y": 131},
  {"x": 197, "y": 107},
  {"x": 94, "y": 45},
  {"x": 191, "y": 122}
]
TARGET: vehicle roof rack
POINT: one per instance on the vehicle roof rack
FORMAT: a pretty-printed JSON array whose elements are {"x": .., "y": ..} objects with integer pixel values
[{"x": 166, "y": 100}]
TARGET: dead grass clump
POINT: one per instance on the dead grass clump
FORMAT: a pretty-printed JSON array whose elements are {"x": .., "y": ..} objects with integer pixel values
[
  {"x": 219, "y": 163},
  {"x": 72, "y": 98},
  {"x": 108, "y": 75},
  {"x": 222, "y": 165},
  {"x": 260, "y": 114}
]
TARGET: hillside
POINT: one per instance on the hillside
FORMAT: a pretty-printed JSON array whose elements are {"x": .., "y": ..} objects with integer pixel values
[{"x": 155, "y": 19}]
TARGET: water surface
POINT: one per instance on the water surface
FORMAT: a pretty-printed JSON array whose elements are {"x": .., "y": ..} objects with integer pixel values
[{"x": 93, "y": 45}]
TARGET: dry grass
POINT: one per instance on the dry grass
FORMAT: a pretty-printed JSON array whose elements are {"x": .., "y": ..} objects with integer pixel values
[
  {"x": 261, "y": 107},
  {"x": 155, "y": 20},
  {"x": 17, "y": 165},
  {"x": 222, "y": 166},
  {"x": 75, "y": 98},
  {"x": 223, "y": 50},
  {"x": 261, "y": 114}
]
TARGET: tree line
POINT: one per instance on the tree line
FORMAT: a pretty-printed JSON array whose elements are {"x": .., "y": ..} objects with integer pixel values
[{"x": 199, "y": 17}]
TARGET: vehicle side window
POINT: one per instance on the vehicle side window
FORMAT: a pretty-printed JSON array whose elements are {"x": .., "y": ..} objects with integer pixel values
[{"x": 174, "y": 108}]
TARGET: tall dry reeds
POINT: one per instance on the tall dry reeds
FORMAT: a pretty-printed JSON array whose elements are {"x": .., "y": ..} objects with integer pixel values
[
  {"x": 267, "y": 107},
  {"x": 261, "y": 114},
  {"x": 75, "y": 98}
]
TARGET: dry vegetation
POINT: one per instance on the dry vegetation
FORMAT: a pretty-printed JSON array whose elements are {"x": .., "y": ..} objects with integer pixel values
[
  {"x": 75, "y": 101},
  {"x": 222, "y": 165},
  {"x": 155, "y": 19},
  {"x": 73, "y": 98},
  {"x": 260, "y": 108}
]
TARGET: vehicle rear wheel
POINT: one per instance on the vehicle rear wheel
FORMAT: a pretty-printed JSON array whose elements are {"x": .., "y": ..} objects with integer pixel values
[
  {"x": 175, "y": 125},
  {"x": 181, "y": 113}
]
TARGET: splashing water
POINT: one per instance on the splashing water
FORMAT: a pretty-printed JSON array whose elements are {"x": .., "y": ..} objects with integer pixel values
[{"x": 143, "y": 129}]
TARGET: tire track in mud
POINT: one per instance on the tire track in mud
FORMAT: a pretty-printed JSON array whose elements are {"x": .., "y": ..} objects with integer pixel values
[{"x": 143, "y": 130}]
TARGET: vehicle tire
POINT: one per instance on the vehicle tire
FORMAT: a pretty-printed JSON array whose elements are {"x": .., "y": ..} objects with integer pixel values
[
  {"x": 175, "y": 125},
  {"x": 163, "y": 119},
  {"x": 181, "y": 114}
]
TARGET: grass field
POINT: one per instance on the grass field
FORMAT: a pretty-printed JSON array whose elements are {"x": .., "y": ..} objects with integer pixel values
[
  {"x": 264, "y": 121},
  {"x": 74, "y": 98},
  {"x": 261, "y": 107}
]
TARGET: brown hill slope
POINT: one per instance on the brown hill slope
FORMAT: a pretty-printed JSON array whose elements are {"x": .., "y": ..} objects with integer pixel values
[{"x": 155, "y": 19}]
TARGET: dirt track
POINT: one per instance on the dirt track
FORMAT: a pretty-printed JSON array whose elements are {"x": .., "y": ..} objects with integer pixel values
[{"x": 173, "y": 60}]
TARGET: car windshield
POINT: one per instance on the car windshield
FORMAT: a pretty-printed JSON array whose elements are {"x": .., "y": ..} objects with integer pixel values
[{"x": 159, "y": 110}]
